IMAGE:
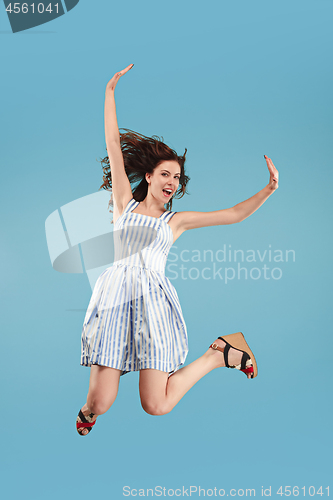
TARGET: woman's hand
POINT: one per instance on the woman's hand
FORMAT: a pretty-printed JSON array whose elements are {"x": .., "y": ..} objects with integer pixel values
[
  {"x": 274, "y": 174},
  {"x": 111, "y": 85}
]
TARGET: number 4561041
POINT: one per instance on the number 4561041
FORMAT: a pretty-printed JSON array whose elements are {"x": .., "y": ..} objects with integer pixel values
[
  {"x": 295, "y": 491},
  {"x": 24, "y": 8}
]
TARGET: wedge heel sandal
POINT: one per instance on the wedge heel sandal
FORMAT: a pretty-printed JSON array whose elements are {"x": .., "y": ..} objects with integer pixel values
[{"x": 237, "y": 341}]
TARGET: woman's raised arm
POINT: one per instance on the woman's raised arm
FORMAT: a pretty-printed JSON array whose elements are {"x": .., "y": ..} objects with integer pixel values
[
  {"x": 193, "y": 220},
  {"x": 121, "y": 187}
]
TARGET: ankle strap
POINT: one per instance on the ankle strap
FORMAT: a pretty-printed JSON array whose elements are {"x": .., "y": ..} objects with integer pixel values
[{"x": 217, "y": 347}]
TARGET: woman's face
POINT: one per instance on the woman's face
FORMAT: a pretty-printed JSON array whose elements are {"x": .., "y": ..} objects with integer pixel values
[{"x": 164, "y": 181}]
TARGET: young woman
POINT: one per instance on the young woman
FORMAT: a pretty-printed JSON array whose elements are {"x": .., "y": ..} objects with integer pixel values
[{"x": 134, "y": 320}]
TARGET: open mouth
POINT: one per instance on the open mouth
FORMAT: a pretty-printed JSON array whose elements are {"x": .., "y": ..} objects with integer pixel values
[{"x": 167, "y": 192}]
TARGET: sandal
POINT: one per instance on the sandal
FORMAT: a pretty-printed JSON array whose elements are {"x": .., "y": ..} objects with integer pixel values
[
  {"x": 84, "y": 423},
  {"x": 248, "y": 363}
]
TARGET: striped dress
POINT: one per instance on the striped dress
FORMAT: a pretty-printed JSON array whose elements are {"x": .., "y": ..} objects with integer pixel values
[{"x": 134, "y": 319}]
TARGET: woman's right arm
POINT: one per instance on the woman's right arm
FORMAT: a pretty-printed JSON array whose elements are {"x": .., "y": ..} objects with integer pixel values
[{"x": 121, "y": 187}]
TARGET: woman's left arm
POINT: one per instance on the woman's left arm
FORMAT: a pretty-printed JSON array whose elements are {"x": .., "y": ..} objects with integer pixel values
[{"x": 192, "y": 220}]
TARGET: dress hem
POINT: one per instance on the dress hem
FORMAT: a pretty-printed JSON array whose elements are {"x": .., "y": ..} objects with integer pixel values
[{"x": 148, "y": 364}]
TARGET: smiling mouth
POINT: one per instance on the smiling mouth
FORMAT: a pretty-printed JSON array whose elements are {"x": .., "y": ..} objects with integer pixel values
[{"x": 167, "y": 192}]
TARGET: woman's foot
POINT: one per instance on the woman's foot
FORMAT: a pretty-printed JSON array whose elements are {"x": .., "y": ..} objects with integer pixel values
[
  {"x": 89, "y": 417},
  {"x": 234, "y": 356}
]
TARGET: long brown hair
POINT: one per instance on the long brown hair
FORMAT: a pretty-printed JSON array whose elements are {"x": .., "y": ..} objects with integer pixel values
[{"x": 142, "y": 155}]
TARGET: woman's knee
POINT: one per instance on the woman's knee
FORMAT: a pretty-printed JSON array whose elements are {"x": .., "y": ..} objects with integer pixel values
[{"x": 155, "y": 407}]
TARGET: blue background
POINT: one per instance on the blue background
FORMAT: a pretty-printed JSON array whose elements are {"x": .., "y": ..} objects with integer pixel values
[{"x": 230, "y": 81}]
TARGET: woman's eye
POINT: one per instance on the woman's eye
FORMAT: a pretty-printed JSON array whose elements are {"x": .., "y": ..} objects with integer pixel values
[{"x": 164, "y": 173}]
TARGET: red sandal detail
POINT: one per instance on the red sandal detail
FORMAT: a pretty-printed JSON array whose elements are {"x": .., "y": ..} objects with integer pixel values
[{"x": 84, "y": 423}]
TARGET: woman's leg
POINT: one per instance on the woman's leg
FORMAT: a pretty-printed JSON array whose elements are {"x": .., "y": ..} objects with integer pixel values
[
  {"x": 160, "y": 392},
  {"x": 103, "y": 389}
]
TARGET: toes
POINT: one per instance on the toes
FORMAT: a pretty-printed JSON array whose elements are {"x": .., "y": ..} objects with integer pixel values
[{"x": 83, "y": 432}]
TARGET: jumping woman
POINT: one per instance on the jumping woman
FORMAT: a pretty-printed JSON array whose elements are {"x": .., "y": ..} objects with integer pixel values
[{"x": 134, "y": 320}]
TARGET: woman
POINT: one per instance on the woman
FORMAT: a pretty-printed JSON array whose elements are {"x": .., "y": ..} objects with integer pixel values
[{"x": 134, "y": 320}]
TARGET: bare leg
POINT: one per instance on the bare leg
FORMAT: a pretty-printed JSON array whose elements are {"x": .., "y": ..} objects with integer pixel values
[
  {"x": 160, "y": 392},
  {"x": 103, "y": 390}
]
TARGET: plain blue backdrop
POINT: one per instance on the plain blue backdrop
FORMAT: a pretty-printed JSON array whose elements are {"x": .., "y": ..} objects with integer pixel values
[{"x": 230, "y": 81}]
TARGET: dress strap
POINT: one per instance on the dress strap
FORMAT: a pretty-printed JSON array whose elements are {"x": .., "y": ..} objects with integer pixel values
[
  {"x": 167, "y": 215},
  {"x": 130, "y": 205}
]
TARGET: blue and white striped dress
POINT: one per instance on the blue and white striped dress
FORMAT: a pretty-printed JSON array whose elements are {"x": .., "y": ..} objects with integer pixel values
[{"x": 134, "y": 319}]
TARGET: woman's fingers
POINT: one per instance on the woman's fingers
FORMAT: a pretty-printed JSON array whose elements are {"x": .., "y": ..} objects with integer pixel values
[
  {"x": 270, "y": 165},
  {"x": 114, "y": 80},
  {"x": 269, "y": 162},
  {"x": 121, "y": 73},
  {"x": 274, "y": 174}
]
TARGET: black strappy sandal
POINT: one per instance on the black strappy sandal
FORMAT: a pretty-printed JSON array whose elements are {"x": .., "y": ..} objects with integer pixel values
[
  {"x": 84, "y": 423},
  {"x": 237, "y": 341}
]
